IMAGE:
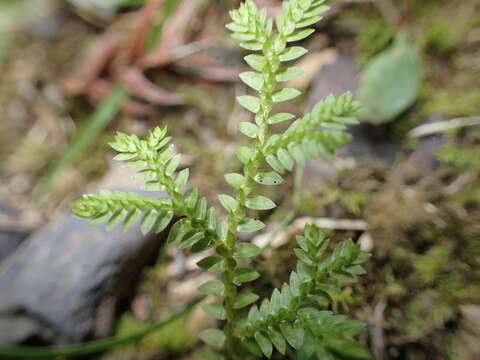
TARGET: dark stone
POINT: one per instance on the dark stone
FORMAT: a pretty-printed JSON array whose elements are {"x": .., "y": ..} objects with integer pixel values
[
  {"x": 63, "y": 274},
  {"x": 10, "y": 238}
]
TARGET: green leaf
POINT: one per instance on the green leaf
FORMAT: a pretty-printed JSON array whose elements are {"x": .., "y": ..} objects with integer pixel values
[
  {"x": 208, "y": 262},
  {"x": 178, "y": 231},
  {"x": 212, "y": 288},
  {"x": 148, "y": 221},
  {"x": 264, "y": 343},
  {"x": 190, "y": 198},
  {"x": 192, "y": 240},
  {"x": 252, "y": 79},
  {"x": 300, "y": 35},
  {"x": 285, "y": 159},
  {"x": 200, "y": 209},
  {"x": 245, "y": 299},
  {"x": 390, "y": 82},
  {"x": 213, "y": 337},
  {"x": 216, "y": 311},
  {"x": 251, "y": 103},
  {"x": 248, "y": 129},
  {"x": 228, "y": 202},
  {"x": 277, "y": 340},
  {"x": 260, "y": 203},
  {"x": 181, "y": 180},
  {"x": 116, "y": 218},
  {"x": 250, "y": 225},
  {"x": 245, "y": 154},
  {"x": 285, "y": 94},
  {"x": 275, "y": 163},
  {"x": 246, "y": 250},
  {"x": 289, "y": 74},
  {"x": 243, "y": 275},
  {"x": 293, "y": 53},
  {"x": 293, "y": 334},
  {"x": 131, "y": 219},
  {"x": 268, "y": 178},
  {"x": 153, "y": 186},
  {"x": 277, "y": 118},
  {"x": 172, "y": 165},
  {"x": 235, "y": 180},
  {"x": 257, "y": 62},
  {"x": 163, "y": 221}
]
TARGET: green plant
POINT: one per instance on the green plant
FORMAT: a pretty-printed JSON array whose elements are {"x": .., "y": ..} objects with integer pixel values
[{"x": 297, "y": 313}]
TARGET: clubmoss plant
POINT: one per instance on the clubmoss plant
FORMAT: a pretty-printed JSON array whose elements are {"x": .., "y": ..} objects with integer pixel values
[{"x": 297, "y": 314}]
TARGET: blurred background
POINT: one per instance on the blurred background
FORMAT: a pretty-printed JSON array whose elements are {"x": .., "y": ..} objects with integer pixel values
[{"x": 406, "y": 187}]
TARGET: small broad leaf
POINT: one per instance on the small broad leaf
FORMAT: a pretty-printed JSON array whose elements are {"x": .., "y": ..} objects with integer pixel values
[
  {"x": 251, "y": 103},
  {"x": 245, "y": 154},
  {"x": 173, "y": 164},
  {"x": 300, "y": 35},
  {"x": 251, "y": 225},
  {"x": 208, "y": 262},
  {"x": 256, "y": 62},
  {"x": 178, "y": 231},
  {"x": 246, "y": 250},
  {"x": 293, "y": 53},
  {"x": 148, "y": 221},
  {"x": 390, "y": 82},
  {"x": 190, "y": 198},
  {"x": 192, "y": 240},
  {"x": 275, "y": 163},
  {"x": 252, "y": 79},
  {"x": 285, "y": 159},
  {"x": 277, "y": 118},
  {"x": 212, "y": 288},
  {"x": 277, "y": 340},
  {"x": 116, "y": 218},
  {"x": 260, "y": 203},
  {"x": 216, "y": 311},
  {"x": 213, "y": 337},
  {"x": 264, "y": 343},
  {"x": 235, "y": 180},
  {"x": 293, "y": 334},
  {"x": 248, "y": 129},
  {"x": 243, "y": 275},
  {"x": 289, "y": 74},
  {"x": 285, "y": 94},
  {"x": 245, "y": 299},
  {"x": 131, "y": 219},
  {"x": 181, "y": 180},
  {"x": 268, "y": 178},
  {"x": 163, "y": 221},
  {"x": 153, "y": 186},
  {"x": 228, "y": 202}
]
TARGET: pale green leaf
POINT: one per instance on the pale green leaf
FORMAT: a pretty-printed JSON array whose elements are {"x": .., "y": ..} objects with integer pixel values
[
  {"x": 251, "y": 103},
  {"x": 277, "y": 118},
  {"x": 213, "y": 337},
  {"x": 251, "y": 225},
  {"x": 260, "y": 203},
  {"x": 268, "y": 178},
  {"x": 285, "y": 94}
]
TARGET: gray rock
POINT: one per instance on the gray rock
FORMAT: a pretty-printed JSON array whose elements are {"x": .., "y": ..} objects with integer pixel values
[
  {"x": 60, "y": 278},
  {"x": 10, "y": 238}
]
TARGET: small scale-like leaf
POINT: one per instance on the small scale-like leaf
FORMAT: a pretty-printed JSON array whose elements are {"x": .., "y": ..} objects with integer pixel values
[
  {"x": 293, "y": 53},
  {"x": 181, "y": 180},
  {"x": 243, "y": 275},
  {"x": 192, "y": 240},
  {"x": 153, "y": 186},
  {"x": 245, "y": 299},
  {"x": 244, "y": 154},
  {"x": 213, "y": 337},
  {"x": 208, "y": 262},
  {"x": 216, "y": 311},
  {"x": 256, "y": 62},
  {"x": 190, "y": 198},
  {"x": 251, "y": 225},
  {"x": 131, "y": 219},
  {"x": 248, "y": 129},
  {"x": 252, "y": 79},
  {"x": 116, "y": 218},
  {"x": 228, "y": 202},
  {"x": 148, "y": 221},
  {"x": 289, "y": 74},
  {"x": 275, "y": 163},
  {"x": 277, "y": 118},
  {"x": 178, "y": 231},
  {"x": 264, "y": 343},
  {"x": 293, "y": 334},
  {"x": 251, "y": 103},
  {"x": 300, "y": 35},
  {"x": 277, "y": 340},
  {"x": 200, "y": 209},
  {"x": 268, "y": 178},
  {"x": 260, "y": 203},
  {"x": 285, "y": 94},
  {"x": 246, "y": 250},
  {"x": 285, "y": 159},
  {"x": 235, "y": 180},
  {"x": 212, "y": 288},
  {"x": 173, "y": 164},
  {"x": 163, "y": 221}
]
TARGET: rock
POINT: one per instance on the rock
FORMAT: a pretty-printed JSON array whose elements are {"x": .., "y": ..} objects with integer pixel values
[
  {"x": 10, "y": 237},
  {"x": 61, "y": 277}
]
